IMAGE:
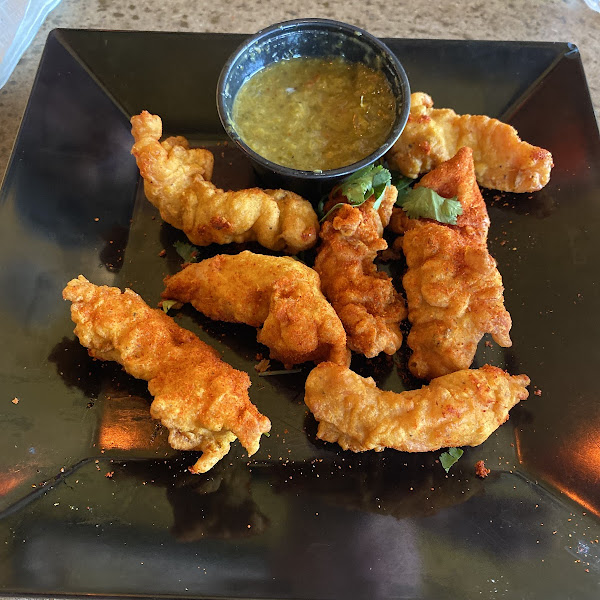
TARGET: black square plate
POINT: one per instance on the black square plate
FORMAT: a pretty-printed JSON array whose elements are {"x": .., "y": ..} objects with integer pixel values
[{"x": 95, "y": 502}]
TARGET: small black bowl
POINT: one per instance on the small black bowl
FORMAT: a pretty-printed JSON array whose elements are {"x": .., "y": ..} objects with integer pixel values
[{"x": 311, "y": 38}]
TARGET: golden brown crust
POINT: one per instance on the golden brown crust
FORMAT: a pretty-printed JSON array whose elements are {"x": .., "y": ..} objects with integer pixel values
[
  {"x": 280, "y": 295},
  {"x": 363, "y": 297},
  {"x": 176, "y": 181},
  {"x": 460, "y": 409},
  {"x": 502, "y": 160},
  {"x": 202, "y": 400},
  {"x": 453, "y": 288}
]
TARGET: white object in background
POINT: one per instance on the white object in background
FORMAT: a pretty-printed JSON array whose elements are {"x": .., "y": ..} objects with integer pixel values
[
  {"x": 19, "y": 22},
  {"x": 593, "y": 4}
]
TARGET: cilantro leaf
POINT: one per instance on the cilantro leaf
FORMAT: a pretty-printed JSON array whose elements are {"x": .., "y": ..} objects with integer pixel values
[
  {"x": 186, "y": 251},
  {"x": 449, "y": 458},
  {"x": 334, "y": 207},
  {"x": 423, "y": 202},
  {"x": 321, "y": 207},
  {"x": 402, "y": 184},
  {"x": 382, "y": 179},
  {"x": 359, "y": 187},
  {"x": 168, "y": 304}
]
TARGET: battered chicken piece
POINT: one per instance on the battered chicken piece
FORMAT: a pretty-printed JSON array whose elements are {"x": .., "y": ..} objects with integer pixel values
[
  {"x": 460, "y": 409},
  {"x": 363, "y": 297},
  {"x": 202, "y": 400},
  {"x": 453, "y": 288},
  {"x": 502, "y": 160},
  {"x": 279, "y": 295},
  {"x": 176, "y": 181}
]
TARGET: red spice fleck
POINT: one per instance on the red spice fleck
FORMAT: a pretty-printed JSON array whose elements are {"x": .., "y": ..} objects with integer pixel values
[
  {"x": 425, "y": 146},
  {"x": 481, "y": 470},
  {"x": 109, "y": 474},
  {"x": 263, "y": 365},
  {"x": 162, "y": 253},
  {"x": 15, "y": 400},
  {"x": 538, "y": 392}
]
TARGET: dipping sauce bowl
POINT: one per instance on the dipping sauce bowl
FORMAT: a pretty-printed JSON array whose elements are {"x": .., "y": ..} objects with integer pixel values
[{"x": 310, "y": 38}]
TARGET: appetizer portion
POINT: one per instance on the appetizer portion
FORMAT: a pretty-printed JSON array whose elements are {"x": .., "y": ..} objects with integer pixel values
[
  {"x": 454, "y": 290},
  {"x": 364, "y": 298},
  {"x": 460, "y": 409},
  {"x": 279, "y": 295},
  {"x": 177, "y": 182},
  {"x": 502, "y": 160},
  {"x": 202, "y": 400}
]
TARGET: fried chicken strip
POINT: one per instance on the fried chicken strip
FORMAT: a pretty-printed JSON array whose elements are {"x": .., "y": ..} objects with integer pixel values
[
  {"x": 201, "y": 400},
  {"x": 363, "y": 297},
  {"x": 502, "y": 160},
  {"x": 176, "y": 181},
  {"x": 453, "y": 288},
  {"x": 279, "y": 295},
  {"x": 460, "y": 409}
]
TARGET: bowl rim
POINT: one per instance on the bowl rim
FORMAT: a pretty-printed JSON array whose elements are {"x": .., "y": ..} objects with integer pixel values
[{"x": 315, "y": 174}]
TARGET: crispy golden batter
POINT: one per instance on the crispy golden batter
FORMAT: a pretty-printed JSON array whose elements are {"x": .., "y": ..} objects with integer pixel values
[
  {"x": 502, "y": 160},
  {"x": 363, "y": 297},
  {"x": 280, "y": 295},
  {"x": 460, "y": 409},
  {"x": 202, "y": 400},
  {"x": 176, "y": 181},
  {"x": 453, "y": 288}
]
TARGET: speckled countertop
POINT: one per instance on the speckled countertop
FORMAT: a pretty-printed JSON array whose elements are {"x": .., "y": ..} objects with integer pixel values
[{"x": 540, "y": 20}]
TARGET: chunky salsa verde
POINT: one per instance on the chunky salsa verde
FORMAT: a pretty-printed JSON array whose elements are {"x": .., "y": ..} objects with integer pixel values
[{"x": 315, "y": 113}]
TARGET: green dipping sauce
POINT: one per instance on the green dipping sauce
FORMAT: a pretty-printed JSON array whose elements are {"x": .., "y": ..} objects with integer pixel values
[{"x": 315, "y": 113}]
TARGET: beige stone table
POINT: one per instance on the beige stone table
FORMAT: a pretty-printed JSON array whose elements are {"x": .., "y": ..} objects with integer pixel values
[{"x": 539, "y": 20}]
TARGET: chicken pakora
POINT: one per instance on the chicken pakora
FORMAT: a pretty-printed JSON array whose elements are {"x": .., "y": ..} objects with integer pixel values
[
  {"x": 202, "y": 400},
  {"x": 177, "y": 182},
  {"x": 453, "y": 288},
  {"x": 502, "y": 160},
  {"x": 364, "y": 298},
  {"x": 460, "y": 409},
  {"x": 279, "y": 295}
]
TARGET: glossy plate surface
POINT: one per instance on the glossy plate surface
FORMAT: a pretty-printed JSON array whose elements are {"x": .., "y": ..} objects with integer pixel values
[{"x": 93, "y": 500}]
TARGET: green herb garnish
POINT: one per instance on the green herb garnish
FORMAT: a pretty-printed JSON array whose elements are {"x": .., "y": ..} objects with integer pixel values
[
  {"x": 402, "y": 184},
  {"x": 423, "y": 202},
  {"x": 188, "y": 252},
  {"x": 168, "y": 304},
  {"x": 449, "y": 458},
  {"x": 359, "y": 187}
]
